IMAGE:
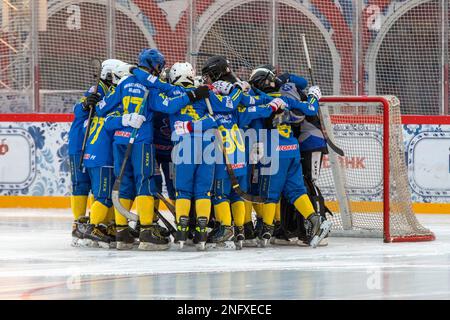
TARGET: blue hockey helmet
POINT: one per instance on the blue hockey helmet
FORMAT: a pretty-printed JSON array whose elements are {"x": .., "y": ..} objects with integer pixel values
[{"x": 152, "y": 59}]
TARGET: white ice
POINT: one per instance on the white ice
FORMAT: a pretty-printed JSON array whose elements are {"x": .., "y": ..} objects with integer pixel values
[{"x": 37, "y": 262}]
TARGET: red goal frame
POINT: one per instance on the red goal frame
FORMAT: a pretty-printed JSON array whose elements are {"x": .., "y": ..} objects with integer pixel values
[{"x": 386, "y": 164}]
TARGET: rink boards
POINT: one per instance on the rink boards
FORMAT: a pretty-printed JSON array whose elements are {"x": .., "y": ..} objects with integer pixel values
[{"x": 34, "y": 167}]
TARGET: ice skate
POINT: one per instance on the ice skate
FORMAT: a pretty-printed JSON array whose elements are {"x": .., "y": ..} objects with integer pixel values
[
  {"x": 319, "y": 228},
  {"x": 249, "y": 235},
  {"x": 182, "y": 231},
  {"x": 223, "y": 238},
  {"x": 201, "y": 234},
  {"x": 78, "y": 230},
  {"x": 111, "y": 231},
  {"x": 96, "y": 236},
  {"x": 239, "y": 237},
  {"x": 151, "y": 239},
  {"x": 282, "y": 237},
  {"x": 266, "y": 234},
  {"x": 124, "y": 238}
]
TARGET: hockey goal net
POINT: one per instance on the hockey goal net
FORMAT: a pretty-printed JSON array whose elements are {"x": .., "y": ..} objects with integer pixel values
[{"x": 367, "y": 189}]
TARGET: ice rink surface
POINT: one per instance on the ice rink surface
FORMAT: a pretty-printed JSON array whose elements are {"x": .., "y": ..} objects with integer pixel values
[{"x": 37, "y": 262}]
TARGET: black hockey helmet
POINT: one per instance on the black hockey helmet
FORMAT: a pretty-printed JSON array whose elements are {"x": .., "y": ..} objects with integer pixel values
[
  {"x": 264, "y": 80},
  {"x": 268, "y": 66},
  {"x": 216, "y": 68}
]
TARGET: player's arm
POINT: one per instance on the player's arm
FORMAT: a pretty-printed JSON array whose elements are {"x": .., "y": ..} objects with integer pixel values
[
  {"x": 310, "y": 107},
  {"x": 249, "y": 99},
  {"x": 201, "y": 125},
  {"x": 153, "y": 82},
  {"x": 160, "y": 102},
  {"x": 248, "y": 114},
  {"x": 113, "y": 121},
  {"x": 300, "y": 82},
  {"x": 110, "y": 101}
]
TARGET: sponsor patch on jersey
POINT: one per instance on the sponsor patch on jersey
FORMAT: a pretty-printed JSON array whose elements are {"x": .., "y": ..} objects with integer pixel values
[
  {"x": 166, "y": 102},
  {"x": 238, "y": 166},
  {"x": 290, "y": 147},
  {"x": 124, "y": 134},
  {"x": 252, "y": 100}
]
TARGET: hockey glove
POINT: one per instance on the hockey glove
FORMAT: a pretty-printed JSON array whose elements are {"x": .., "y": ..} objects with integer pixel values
[
  {"x": 198, "y": 94},
  {"x": 182, "y": 127},
  {"x": 244, "y": 86},
  {"x": 91, "y": 100},
  {"x": 315, "y": 91},
  {"x": 222, "y": 87},
  {"x": 277, "y": 104},
  {"x": 134, "y": 120}
]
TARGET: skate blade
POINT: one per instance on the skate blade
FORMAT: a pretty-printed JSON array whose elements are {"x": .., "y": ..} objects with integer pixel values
[
  {"x": 88, "y": 243},
  {"x": 300, "y": 243},
  {"x": 200, "y": 246},
  {"x": 147, "y": 246},
  {"x": 75, "y": 242},
  {"x": 284, "y": 242},
  {"x": 124, "y": 246},
  {"x": 112, "y": 245},
  {"x": 227, "y": 245},
  {"x": 239, "y": 244},
  {"x": 251, "y": 243},
  {"x": 103, "y": 245},
  {"x": 181, "y": 245},
  {"x": 264, "y": 243},
  {"x": 324, "y": 230}
]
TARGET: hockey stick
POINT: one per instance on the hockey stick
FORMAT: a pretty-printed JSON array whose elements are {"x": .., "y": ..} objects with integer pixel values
[
  {"x": 168, "y": 225},
  {"x": 167, "y": 203},
  {"x": 115, "y": 191},
  {"x": 332, "y": 145},
  {"x": 96, "y": 63},
  {"x": 234, "y": 181}
]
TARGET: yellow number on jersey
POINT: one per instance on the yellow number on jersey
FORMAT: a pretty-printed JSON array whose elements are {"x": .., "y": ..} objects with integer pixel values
[
  {"x": 232, "y": 139},
  {"x": 96, "y": 126},
  {"x": 128, "y": 102}
]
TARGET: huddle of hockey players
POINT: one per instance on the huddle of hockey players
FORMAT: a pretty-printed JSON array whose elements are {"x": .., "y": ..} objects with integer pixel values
[{"x": 195, "y": 136}]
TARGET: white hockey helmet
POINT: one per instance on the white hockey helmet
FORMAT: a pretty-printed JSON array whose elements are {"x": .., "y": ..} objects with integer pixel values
[
  {"x": 113, "y": 70},
  {"x": 121, "y": 71},
  {"x": 182, "y": 72}
]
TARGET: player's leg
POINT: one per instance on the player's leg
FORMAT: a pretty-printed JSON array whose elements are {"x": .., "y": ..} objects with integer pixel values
[
  {"x": 96, "y": 234},
  {"x": 222, "y": 210},
  {"x": 295, "y": 192},
  {"x": 184, "y": 186},
  {"x": 81, "y": 185},
  {"x": 203, "y": 185},
  {"x": 158, "y": 182},
  {"x": 238, "y": 210},
  {"x": 124, "y": 237},
  {"x": 249, "y": 227},
  {"x": 271, "y": 186},
  {"x": 144, "y": 163}
]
